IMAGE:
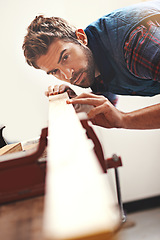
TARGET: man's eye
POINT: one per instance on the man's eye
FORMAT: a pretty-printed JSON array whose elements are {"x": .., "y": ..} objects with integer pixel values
[
  {"x": 65, "y": 57},
  {"x": 54, "y": 72}
]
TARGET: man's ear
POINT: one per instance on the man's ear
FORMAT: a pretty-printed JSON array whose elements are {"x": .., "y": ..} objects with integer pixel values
[{"x": 81, "y": 36}]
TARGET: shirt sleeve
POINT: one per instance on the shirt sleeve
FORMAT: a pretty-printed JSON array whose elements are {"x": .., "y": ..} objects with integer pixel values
[{"x": 142, "y": 51}]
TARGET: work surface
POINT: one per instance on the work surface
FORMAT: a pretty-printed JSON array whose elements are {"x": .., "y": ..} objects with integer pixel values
[
  {"x": 79, "y": 203},
  {"x": 22, "y": 220}
]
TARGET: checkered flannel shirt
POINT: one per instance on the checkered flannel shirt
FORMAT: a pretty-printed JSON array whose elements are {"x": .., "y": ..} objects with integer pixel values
[{"x": 142, "y": 51}]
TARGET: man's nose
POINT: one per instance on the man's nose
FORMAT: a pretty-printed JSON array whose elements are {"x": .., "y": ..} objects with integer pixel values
[{"x": 67, "y": 73}]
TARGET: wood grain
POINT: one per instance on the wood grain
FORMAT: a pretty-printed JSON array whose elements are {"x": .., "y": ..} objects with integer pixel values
[
  {"x": 11, "y": 148},
  {"x": 22, "y": 220}
]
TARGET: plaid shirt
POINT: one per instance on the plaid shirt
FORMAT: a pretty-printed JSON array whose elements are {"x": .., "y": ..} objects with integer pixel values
[
  {"x": 98, "y": 88},
  {"x": 142, "y": 51}
]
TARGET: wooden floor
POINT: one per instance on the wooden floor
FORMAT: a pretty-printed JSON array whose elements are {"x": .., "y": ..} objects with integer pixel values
[{"x": 22, "y": 220}]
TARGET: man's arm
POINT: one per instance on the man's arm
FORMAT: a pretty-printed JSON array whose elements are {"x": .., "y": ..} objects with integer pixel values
[
  {"x": 106, "y": 115},
  {"x": 145, "y": 118}
]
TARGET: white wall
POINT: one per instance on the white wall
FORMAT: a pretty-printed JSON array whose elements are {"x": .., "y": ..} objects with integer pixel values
[
  {"x": 24, "y": 108},
  {"x": 23, "y": 105},
  {"x": 139, "y": 150}
]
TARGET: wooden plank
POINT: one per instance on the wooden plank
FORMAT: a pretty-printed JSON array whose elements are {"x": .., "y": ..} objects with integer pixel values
[
  {"x": 79, "y": 203},
  {"x": 11, "y": 148}
]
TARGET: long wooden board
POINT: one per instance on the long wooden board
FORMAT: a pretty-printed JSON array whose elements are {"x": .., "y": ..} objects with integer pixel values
[
  {"x": 11, "y": 148},
  {"x": 79, "y": 203}
]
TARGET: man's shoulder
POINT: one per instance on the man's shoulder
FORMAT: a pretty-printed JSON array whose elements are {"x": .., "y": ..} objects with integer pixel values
[{"x": 126, "y": 14}]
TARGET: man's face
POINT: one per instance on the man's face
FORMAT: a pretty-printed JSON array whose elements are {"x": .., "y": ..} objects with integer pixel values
[{"x": 69, "y": 62}]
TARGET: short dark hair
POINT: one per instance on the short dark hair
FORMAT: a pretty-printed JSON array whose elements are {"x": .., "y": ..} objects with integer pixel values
[{"x": 42, "y": 32}]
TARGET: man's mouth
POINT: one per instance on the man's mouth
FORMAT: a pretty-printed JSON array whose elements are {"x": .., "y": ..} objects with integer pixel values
[{"x": 78, "y": 79}]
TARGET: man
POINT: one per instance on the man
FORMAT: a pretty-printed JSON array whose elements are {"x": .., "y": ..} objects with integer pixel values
[{"x": 118, "y": 53}]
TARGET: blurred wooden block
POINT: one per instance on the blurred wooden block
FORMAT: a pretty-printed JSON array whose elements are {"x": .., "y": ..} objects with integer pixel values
[{"x": 11, "y": 148}]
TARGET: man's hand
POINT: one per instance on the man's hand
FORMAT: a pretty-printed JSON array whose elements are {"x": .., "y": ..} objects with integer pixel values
[
  {"x": 58, "y": 89},
  {"x": 103, "y": 113}
]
